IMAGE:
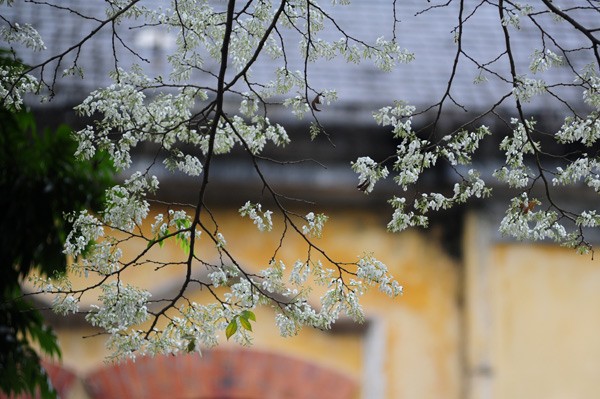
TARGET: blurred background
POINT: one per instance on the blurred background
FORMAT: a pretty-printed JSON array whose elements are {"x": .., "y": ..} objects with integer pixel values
[{"x": 482, "y": 316}]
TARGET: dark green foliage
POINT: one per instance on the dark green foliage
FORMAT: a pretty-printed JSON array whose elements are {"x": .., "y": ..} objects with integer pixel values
[
  {"x": 40, "y": 182},
  {"x": 21, "y": 325}
]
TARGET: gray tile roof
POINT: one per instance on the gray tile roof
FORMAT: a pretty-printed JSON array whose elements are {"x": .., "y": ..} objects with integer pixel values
[{"x": 429, "y": 35}]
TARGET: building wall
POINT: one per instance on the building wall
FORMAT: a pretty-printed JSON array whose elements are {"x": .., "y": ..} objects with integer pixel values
[
  {"x": 531, "y": 318},
  {"x": 409, "y": 346},
  {"x": 510, "y": 320}
]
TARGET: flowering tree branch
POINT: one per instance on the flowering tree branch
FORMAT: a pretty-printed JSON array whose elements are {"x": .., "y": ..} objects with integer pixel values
[{"x": 188, "y": 121}]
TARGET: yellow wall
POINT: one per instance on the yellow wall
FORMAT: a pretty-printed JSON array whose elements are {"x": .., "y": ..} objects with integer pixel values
[
  {"x": 511, "y": 320},
  {"x": 546, "y": 308},
  {"x": 533, "y": 319},
  {"x": 412, "y": 345}
]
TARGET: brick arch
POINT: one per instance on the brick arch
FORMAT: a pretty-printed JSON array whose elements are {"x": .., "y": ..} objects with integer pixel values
[{"x": 220, "y": 374}]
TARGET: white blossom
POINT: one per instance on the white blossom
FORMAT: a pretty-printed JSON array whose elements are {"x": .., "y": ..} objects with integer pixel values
[
  {"x": 122, "y": 306},
  {"x": 373, "y": 271},
  {"x": 24, "y": 34},
  {"x": 543, "y": 60},
  {"x": 315, "y": 225},
  {"x": 65, "y": 304},
  {"x": 369, "y": 172},
  {"x": 300, "y": 272},
  {"x": 516, "y": 173},
  {"x": 126, "y": 206},
  {"x": 523, "y": 222},
  {"x": 459, "y": 148},
  {"x": 14, "y": 84},
  {"x": 585, "y": 130},
  {"x": 588, "y": 219},
  {"x": 86, "y": 229},
  {"x": 401, "y": 220},
  {"x": 272, "y": 277},
  {"x": 527, "y": 88}
]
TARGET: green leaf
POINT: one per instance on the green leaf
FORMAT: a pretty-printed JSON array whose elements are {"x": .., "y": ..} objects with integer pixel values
[
  {"x": 191, "y": 346},
  {"x": 231, "y": 328},
  {"x": 248, "y": 315},
  {"x": 183, "y": 243},
  {"x": 245, "y": 324}
]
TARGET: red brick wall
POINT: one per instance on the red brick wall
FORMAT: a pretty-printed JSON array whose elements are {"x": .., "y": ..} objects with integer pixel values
[{"x": 219, "y": 374}]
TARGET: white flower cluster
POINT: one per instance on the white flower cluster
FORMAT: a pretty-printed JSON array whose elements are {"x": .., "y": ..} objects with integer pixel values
[
  {"x": 218, "y": 278},
  {"x": 126, "y": 109},
  {"x": 242, "y": 293},
  {"x": 471, "y": 186},
  {"x": 315, "y": 225},
  {"x": 294, "y": 311},
  {"x": 402, "y": 219},
  {"x": 385, "y": 54},
  {"x": 373, "y": 271},
  {"x": 220, "y": 238},
  {"x": 123, "y": 306},
  {"x": 102, "y": 258},
  {"x": 585, "y": 130},
  {"x": 297, "y": 315},
  {"x": 516, "y": 174},
  {"x": 90, "y": 255},
  {"x": 86, "y": 230},
  {"x": 254, "y": 135},
  {"x": 300, "y": 272},
  {"x": 178, "y": 225},
  {"x": 13, "y": 85},
  {"x": 24, "y": 34},
  {"x": 369, "y": 173},
  {"x": 126, "y": 206},
  {"x": 272, "y": 278},
  {"x": 582, "y": 168},
  {"x": 65, "y": 304},
  {"x": 262, "y": 221},
  {"x": 186, "y": 163},
  {"x": 512, "y": 15},
  {"x": 543, "y": 60},
  {"x": 413, "y": 156},
  {"x": 523, "y": 222},
  {"x": 178, "y": 219},
  {"x": 460, "y": 147},
  {"x": 198, "y": 327},
  {"x": 527, "y": 88},
  {"x": 591, "y": 95},
  {"x": 393, "y": 116},
  {"x": 339, "y": 298},
  {"x": 588, "y": 219},
  {"x": 298, "y": 104}
]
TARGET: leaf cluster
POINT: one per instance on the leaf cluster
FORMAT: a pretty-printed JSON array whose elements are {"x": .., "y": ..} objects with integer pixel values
[
  {"x": 243, "y": 320},
  {"x": 20, "y": 326}
]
